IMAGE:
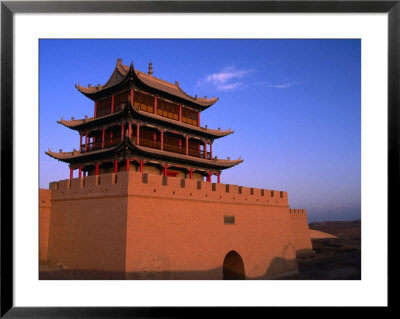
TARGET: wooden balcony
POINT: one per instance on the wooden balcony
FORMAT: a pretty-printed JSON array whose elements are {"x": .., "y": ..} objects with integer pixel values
[
  {"x": 174, "y": 148},
  {"x": 149, "y": 143},
  {"x": 97, "y": 145}
]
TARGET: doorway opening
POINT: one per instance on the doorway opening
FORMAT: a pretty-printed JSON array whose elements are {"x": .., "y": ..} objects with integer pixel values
[{"x": 233, "y": 267}]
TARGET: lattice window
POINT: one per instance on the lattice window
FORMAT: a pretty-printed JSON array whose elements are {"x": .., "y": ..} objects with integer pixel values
[
  {"x": 189, "y": 116},
  {"x": 167, "y": 109},
  {"x": 103, "y": 107},
  {"x": 120, "y": 100},
  {"x": 143, "y": 102}
]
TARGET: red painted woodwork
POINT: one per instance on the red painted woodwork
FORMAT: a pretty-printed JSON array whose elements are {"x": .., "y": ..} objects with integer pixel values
[
  {"x": 172, "y": 174},
  {"x": 102, "y": 137}
]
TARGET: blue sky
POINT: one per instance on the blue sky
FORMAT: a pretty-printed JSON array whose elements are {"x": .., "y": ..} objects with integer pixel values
[{"x": 295, "y": 107}]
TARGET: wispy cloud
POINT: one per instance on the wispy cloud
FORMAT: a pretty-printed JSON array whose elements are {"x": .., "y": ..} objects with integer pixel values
[
  {"x": 230, "y": 79},
  {"x": 282, "y": 85},
  {"x": 226, "y": 80}
]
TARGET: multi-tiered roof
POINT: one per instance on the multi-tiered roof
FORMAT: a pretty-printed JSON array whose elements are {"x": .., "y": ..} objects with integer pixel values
[{"x": 142, "y": 120}]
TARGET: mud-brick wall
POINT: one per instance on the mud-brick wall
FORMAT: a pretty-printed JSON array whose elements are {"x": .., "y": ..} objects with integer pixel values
[
  {"x": 88, "y": 225},
  {"x": 44, "y": 221},
  {"x": 300, "y": 231},
  {"x": 176, "y": 229}
]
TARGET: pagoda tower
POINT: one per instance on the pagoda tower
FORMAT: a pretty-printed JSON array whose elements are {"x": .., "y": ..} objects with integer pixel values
[{"x": 145, "y": 124}]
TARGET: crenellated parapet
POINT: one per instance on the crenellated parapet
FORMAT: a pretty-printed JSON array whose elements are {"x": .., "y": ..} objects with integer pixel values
[
  {"x": 151, "y": 185},
  {"x": 298, "y": 213}
]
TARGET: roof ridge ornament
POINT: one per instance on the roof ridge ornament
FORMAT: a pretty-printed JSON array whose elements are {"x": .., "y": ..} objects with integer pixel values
[
  {"x": 150, "y": 69},
  {"x": 119, "y": 61}
]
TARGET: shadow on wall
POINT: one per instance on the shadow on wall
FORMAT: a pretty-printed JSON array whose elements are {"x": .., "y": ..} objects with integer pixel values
[{"x": 278, "y": 268}]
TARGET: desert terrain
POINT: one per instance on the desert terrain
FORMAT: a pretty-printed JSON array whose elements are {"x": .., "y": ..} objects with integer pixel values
[{"x": 336, "y": 255}]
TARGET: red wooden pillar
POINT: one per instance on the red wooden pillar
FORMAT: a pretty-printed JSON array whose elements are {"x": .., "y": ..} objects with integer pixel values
[
  {"x": 80, "y": 142},
  {"x": 141, "y": 167},
  {"x": 219, "y": 178},
  {"x": 162, "y": 140},
  {"x": 129, "y": 129},
  {"x": 198, "y": 119},
  {"x": 71, "y": 173},
  {"x": 180, "y": 143},
  {"x": 187, "y": 145},
  {"x": 112, "y": 103},
  {"x": 137, "y": 133},
  {"x": 102, "y": 137},
  {"x": 95, "y": 108},
  {"x": 155, "y": 105},
  {"x": 85, "y": 141},
  {"x": 210, "y": 150},
  {"x": 131, "y": 96},
  {"x": 191, "y": 173},
  {"x": 180, "y": 112},
  {"x": 209, "y": 177},
  {"x": 205, "y": 150},
  {"x": 115, "y": 166},
  {"x": 97, "y": 169},
  {"x": 80, "y": 172},
  {"x": 165, "y": 170},
  {"x": 127, "y": 164},
  {"x": 122, "y": 131}
]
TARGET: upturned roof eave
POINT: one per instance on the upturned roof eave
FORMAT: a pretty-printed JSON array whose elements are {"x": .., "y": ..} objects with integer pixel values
[
  {"x": 71, "y": 157},
  {"x": 132, "y": 76},
  {"x": 82, "y": 124}
]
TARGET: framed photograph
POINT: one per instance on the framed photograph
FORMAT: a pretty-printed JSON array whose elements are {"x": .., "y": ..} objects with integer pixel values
[{"x": 311, "y": 90}]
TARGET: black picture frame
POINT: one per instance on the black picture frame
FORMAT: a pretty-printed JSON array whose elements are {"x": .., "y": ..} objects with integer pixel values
[{"x": 9, "y": 8}]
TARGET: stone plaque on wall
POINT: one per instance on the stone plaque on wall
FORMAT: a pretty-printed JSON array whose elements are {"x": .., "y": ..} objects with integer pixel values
[{"x": 229, "y": 219}]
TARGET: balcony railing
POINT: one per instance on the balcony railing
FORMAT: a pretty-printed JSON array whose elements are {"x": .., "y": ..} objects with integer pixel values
[
  {"x": 97, "y": 145},
  {"x": 112, "y": 141},
  {"x": 174, "y": 148},
  {"x": 149, "y": 143},
  {"x": 90, "y": 147}
]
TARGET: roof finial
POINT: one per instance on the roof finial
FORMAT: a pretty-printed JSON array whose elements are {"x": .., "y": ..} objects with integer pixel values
[
  {"x": 119, "y": 61},
  {"x": 150, "y": 68}
]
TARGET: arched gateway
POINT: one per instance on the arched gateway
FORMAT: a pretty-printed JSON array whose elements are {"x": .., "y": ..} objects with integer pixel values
[{"x": 233, "y": 267}]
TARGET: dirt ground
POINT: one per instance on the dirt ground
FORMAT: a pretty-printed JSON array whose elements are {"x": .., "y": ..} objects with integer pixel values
[{"x": 332, "y": 258}]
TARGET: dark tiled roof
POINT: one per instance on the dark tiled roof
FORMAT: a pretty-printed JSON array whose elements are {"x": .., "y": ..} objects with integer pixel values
[
  {"x": 80, "y": 123},
  {"x": 121, "y": 71},
  {"x": 73, "y": 156}
]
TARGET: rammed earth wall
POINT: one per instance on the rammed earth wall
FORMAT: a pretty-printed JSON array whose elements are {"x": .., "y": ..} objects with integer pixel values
[{"x": 134, "y": 226}]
